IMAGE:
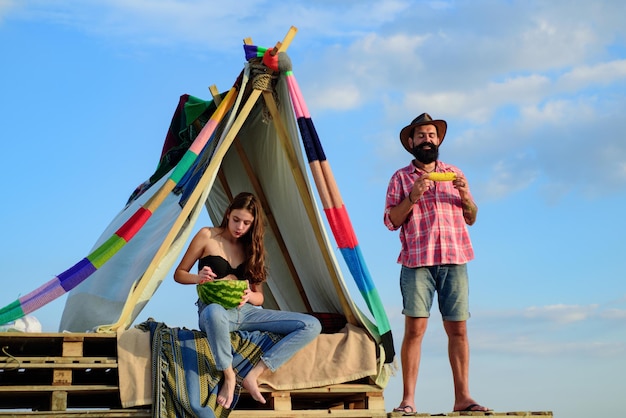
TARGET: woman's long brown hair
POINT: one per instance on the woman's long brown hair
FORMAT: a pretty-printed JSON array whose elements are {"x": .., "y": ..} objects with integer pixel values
[{"x": 253, "y": 245}]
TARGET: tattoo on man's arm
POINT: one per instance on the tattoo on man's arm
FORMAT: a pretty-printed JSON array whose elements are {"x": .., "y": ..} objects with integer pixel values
[{"x": 469, "y": 211}]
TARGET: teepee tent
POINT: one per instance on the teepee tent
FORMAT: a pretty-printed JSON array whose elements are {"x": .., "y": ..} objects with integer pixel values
[{"x": 250, "y": 138}]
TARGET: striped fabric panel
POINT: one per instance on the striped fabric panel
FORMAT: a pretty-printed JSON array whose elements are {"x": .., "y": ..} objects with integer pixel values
[
  {"x": 337, "y": 215},
  {"x": 76, "y": 274}
]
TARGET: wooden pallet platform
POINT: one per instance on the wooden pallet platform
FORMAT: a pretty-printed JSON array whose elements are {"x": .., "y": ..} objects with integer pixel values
[
  {"x": 343, "y": 400},
  {"x": 105, "y": 413},
  {"x": 58, "y": 372},
  {"x": 492, "y": 414},
  {"x": 76, "y": 375}
]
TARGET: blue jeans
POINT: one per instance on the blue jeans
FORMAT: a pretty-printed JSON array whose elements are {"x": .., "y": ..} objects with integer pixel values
[
  {"x": 298, "y": 330},
  {"x": 449, "y": 281}
]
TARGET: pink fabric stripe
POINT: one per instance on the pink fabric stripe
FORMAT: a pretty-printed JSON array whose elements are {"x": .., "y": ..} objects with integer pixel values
[
  {"x": 296, "y": 98},
  {"x": 305, "y": 110},
  {"x": 208, "y": 129},
  {"x": 203, "y": 137}
]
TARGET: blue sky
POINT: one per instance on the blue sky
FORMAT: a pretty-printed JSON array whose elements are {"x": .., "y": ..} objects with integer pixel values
[{"x": 533, "y": 92}]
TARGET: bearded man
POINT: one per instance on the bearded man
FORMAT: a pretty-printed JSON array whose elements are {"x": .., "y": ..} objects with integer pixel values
[{"x": 430, "y": 202}]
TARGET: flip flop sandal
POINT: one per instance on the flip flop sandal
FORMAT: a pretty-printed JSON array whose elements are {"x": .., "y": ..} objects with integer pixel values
[
  {"x": 472, "y": 408},
  {"x": 406, "y": 410}
]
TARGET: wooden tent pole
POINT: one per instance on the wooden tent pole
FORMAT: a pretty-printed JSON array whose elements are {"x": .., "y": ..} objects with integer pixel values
[
  {"x": 220, "y": 174},
  {"x": 182, "y": 217}
]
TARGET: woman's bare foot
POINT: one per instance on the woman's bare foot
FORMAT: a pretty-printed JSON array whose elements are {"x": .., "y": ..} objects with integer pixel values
[
  {"x": 251, "y": 386},
  {"x": 227, "y": 391},
  {"x": 250, "y": 382}
]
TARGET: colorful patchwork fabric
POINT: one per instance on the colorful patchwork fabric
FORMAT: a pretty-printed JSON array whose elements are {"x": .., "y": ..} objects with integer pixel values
[{"x": 76, "y": 274}]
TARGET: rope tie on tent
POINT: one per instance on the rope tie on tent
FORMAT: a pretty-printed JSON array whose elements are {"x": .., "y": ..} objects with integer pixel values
[{"x": 264, "y": 80}]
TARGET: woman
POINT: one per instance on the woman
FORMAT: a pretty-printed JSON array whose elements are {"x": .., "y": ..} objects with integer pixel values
[{"x": 238, "y": 242}]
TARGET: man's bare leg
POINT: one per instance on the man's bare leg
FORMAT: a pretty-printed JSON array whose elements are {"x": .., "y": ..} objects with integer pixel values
[
  {"x": 410, "y": 354},
  {"x": 250, "y": 382},
  {"x": 458, "y": 352}
]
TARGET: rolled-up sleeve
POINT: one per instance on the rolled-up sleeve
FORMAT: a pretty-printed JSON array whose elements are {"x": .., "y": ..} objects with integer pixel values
[{"x": 395, "y": 194}]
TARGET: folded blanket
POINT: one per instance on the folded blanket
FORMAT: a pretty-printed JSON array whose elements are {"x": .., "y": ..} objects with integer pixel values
[
  {"x": 185, "y": 380},
  {"x": 134, "y": 367},
  {"x": 347, "y": 355}
]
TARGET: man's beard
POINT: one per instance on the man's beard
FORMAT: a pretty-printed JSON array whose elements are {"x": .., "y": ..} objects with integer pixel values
[{"x": 426, "y": 152}]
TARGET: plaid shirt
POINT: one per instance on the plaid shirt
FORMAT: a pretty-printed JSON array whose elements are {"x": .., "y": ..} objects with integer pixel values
[{"x": 435, "y": 233}]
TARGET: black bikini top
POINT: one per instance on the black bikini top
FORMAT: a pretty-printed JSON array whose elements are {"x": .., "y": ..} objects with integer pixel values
[{"x": 221, "y": 267}]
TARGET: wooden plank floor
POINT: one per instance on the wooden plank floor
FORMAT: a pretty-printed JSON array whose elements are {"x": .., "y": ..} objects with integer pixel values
[
  {"x": 342, "y": 400},
  {"x": 107, "y": 413},
  {"x": 75, "y": 375},
  {"x": 491, "y": 414}
]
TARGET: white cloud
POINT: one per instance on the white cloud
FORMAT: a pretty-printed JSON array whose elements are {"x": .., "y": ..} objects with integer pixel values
[
  {"x": 479, "y": 103},
  {"x": 336, "y": 98},
  {"x": 555, "y": 112},
  {"x": 551, "y": 330},
  {"x": 508, "y": 177},
  {"x": 548, "y": 42},
  {"x": 6, "y": 6},
  {"x": 560, "y": 313},
  {"x": 619, "y": 314},
  {"x": 369, "y": 64},
  {"x": 513, "y": 89},
  {"x": 539, "y": 345},
  {"x": 602, "y": 73}
]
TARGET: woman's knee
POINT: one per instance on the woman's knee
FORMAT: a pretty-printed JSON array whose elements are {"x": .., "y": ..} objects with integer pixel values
[
  {"x": 212, "y": 316},
  {"x": 313, "y": 325}
]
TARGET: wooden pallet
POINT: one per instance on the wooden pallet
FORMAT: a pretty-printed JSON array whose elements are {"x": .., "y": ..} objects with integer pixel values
[
  {"x": 76, "y": 375},
  {"x": 342, "y": 400},
  {"x": 491, "y": 414},
  {"x": 104, "y": 413},
  {"x": 49, "y": 373}
]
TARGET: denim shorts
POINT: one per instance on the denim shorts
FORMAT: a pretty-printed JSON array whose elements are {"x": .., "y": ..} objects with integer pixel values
[{"x": 450, "y": 282}]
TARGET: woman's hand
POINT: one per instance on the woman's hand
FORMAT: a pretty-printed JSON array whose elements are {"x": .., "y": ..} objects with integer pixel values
[
  {"x": 206, "y": 275},
  {"x": 246, "y": 295}
]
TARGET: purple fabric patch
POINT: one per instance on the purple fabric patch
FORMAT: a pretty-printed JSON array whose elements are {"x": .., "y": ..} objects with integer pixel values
[
  {"x": 41, "y": 296},
  {"x": 73, "y": 276}
]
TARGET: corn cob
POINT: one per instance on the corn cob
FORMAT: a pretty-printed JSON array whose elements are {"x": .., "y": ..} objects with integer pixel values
[{"x": 442, "y": 176}]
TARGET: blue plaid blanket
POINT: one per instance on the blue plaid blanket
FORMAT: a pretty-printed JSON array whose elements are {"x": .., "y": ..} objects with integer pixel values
[{"x": 185, "y": 380}]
